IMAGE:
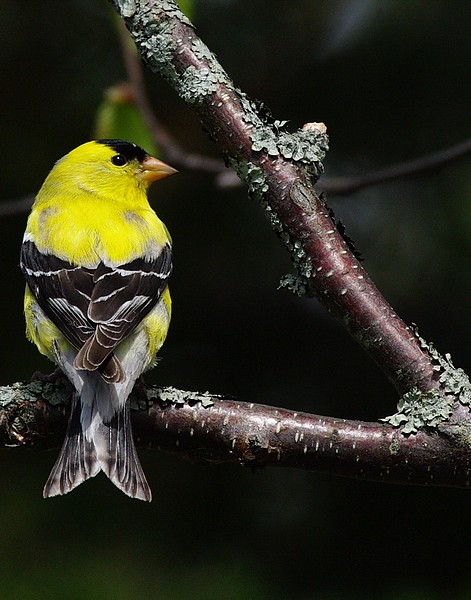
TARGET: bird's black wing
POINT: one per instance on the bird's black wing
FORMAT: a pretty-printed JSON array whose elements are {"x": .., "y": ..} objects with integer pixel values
[
  {"x": 62, "y": 290},
  {"x": 122, "y": 296},
  {"x": 95, "y": 309}
]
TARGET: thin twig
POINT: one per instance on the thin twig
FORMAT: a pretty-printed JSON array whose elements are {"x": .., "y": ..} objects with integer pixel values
[
  {"x": 19, "y": 206},
  {"x": 164, "y": 140},
  {"x": 334, "y": 186},
  {"x": 343, "y": 186},
  {"x": 225, "y": 178}
]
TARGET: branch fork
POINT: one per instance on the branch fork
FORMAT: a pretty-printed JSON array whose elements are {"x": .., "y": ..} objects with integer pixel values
[{"x": 427, "y": 442}]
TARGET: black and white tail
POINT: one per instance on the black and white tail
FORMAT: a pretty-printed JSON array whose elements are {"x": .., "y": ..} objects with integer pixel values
[{"x": 98, "y": 438}]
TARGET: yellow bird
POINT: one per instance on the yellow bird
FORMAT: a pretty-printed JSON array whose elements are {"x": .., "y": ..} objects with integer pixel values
[{"x": 97, "y": 260}]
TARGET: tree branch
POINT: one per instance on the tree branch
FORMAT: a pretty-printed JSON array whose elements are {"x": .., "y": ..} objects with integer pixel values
[
  {"x": 252, "y": 435},
  {"x": 343, "y": 186},
  {"x": 164, "y": 140},
  {"x": 17, "y": 206},
  {"x": 280, "y": 169}
]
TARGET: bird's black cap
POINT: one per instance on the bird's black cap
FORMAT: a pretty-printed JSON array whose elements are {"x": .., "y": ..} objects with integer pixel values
[{"x": 127, "y": 149}]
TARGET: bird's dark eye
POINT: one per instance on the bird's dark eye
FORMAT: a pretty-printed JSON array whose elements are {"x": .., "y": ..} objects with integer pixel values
[{"x": 119, "y": 160}]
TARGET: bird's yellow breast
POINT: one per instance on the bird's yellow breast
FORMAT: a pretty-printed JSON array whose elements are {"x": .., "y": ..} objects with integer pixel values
[{"x": 84, "y": 229}]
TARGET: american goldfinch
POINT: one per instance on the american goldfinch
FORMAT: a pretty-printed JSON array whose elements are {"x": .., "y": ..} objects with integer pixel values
[{"x": 97, "y": 259}]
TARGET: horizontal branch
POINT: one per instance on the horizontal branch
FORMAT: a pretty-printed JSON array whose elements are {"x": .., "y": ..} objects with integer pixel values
[{"x": 208, "y": 429}]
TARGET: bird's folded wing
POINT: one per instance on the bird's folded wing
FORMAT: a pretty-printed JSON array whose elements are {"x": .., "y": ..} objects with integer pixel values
[
  {"x": 122, "y": 296},
  {"x": 62, "y": 290},
  {"x": 95, "y": 309}
]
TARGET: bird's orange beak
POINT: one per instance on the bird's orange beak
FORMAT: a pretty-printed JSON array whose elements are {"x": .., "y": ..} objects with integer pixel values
[{"x": 153, "y": 169}]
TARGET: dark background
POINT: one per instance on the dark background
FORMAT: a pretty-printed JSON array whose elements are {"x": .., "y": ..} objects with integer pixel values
[{"x": 392, "y": 82}]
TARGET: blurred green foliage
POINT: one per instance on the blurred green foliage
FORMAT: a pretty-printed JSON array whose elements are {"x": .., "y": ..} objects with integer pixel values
[
  {"x": 187, "y": 7},
  {"x": 391, "y": 81},
  {"x": 118, "y": 117}
]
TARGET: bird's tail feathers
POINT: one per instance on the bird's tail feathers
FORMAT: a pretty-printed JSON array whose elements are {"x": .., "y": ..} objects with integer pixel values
[
  {"x": 99, "y": 438},
  {"x": 77, "y": 460},
  {"x": 117, "y": 456}
]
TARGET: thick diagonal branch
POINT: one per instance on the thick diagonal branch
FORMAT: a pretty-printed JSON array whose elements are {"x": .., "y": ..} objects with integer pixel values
[{"x": 280, "y": 169}]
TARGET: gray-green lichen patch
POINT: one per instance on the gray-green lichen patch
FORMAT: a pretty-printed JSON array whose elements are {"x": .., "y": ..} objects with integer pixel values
[
  {"x": 173, "y": 396},
  {"x": 250, "y": 116},
  {"x": 297, "y": 282},
  {"x": 195, "y": 84},
  {"x": 453, "y": 380},
  {"x": 418, "y": 409},
  {"x": 294, "y": 283},
  {"x": 264, "y": 139},
  {"x": 153, "y": 31},
  {"x": 157, "y": 51},
  {"x": 128, "y": 8},
  {"x": 256, "y": 181},
  {"x": 394, "y": 448},
  {"x": 202, "y": 52},
  {"x": 307, "y": 147},
  {"x": 16, "y": 392},
  {"x": 53, "y": 393},
  {"x": 145, "y": 13}
]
